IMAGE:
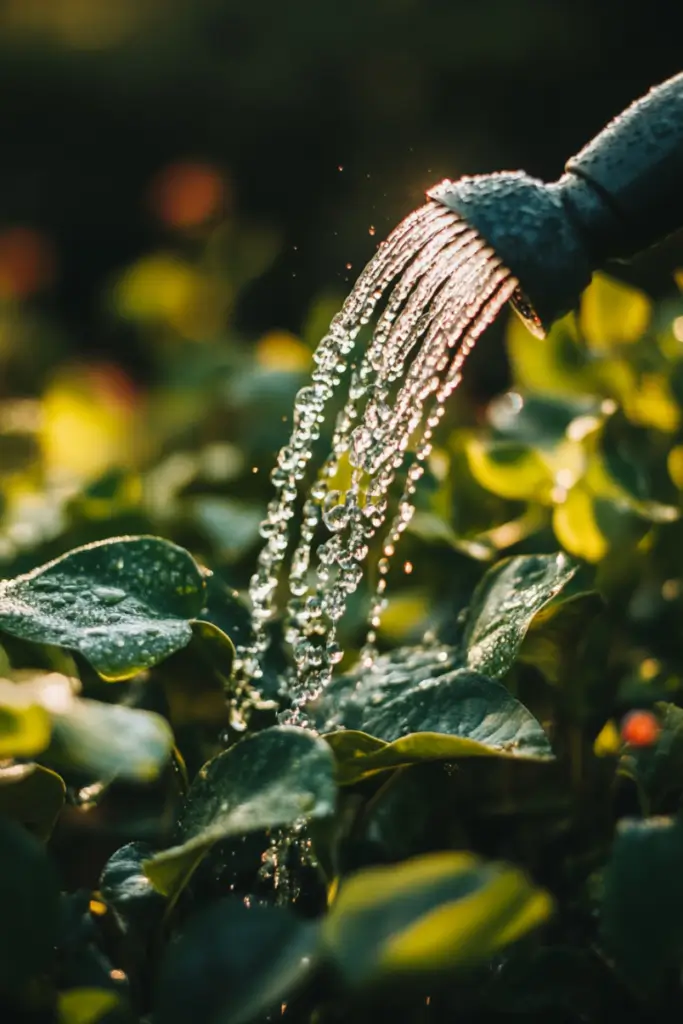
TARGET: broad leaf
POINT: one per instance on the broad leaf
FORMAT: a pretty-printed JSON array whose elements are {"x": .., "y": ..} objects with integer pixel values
[
  {"x": 232, "y": 964},
  {"x": 33, "y": 796},
  {"x": 414, "y": 706},
  {"x": 102, "y": 740},
  {"x": 271, "y": 779},
  {"x": 642, "y": 912},
  {"x": 124, "y": 604},
  {"x": 25, "y": 725},
  {"x": 29, "y": 897},
  {"x": 108, "y": 740},
  {"x": 438, "y": 912},
  {"x": 504, "y": 605},
  {"x": 136, "y": 904}
]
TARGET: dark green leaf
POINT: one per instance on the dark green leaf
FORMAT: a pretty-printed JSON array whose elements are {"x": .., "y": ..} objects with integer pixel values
[
  {"x": 642, "y": 911},
  {"x": 33, "y": 796},
  {"x": 432, "y": 913},
  {"x": 410, "y": 706},
  {"x": 128, "y": 891},
  {"x": 125, "y": 604},
  {"x": 556, "y": 634},
  {"x": 232, "y": 963},
  {"x": 270, "y": 779},
  {"x": 29, "y": 897},
  {"x": 504, "y": 605}
]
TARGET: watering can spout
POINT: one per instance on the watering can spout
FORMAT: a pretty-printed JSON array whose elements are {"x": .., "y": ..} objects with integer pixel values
[{"x": 622, "y": 193}]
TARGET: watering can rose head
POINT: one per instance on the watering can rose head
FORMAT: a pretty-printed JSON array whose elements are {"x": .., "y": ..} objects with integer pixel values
[{"x": 619, "y": 195}]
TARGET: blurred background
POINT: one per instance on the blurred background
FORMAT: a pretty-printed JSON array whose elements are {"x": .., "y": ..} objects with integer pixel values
[{"x": 188, "y": 188}]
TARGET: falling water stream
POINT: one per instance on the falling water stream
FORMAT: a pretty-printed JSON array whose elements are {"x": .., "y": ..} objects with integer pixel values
[
  {"x": 441, "y": 286},
  {"x": 435, "y": 286}
]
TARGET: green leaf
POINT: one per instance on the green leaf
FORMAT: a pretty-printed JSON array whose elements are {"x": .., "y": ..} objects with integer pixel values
[
  {"x": 433, "y": 913},
  {"x": 413, "y": 705},
  {"x": 642, "y": 912},
  {"x": 232, "y": 964},
  {"x": 510, "y": 469},
  {"x": 124, "y": 604},
  {"x": 25, "y": 726},
  {"x": 557, "y": 632},
  {"x": 504, "y": 605},
  {"x": 232, "y": 526},
  {"x": 271, "y": 779},
  {"x": 108, "y": 740},
  {"x": 85, "y": 1005},
  {"x": 29, "y": 897},
  {"x": 136, "y": 904},
  {"x": 33, "y": 796},
  {"x": 103, "y": 740}
]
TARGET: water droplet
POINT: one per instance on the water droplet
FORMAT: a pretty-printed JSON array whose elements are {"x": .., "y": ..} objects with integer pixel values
[{"x": 108, "y": 595}]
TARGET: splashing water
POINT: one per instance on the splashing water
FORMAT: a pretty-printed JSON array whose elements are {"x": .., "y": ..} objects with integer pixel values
[{"x": 442, "y": 285}]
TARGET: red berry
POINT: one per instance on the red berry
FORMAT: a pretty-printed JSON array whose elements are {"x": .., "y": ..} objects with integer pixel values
[{"x": 640, "y": 729}]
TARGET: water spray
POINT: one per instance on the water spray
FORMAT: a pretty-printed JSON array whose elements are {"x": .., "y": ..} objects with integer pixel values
[{"x": 431, "y": 290}]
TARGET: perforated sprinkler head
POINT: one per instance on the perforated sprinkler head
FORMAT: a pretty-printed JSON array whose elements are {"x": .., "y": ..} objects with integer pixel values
[{"x": 622, "y": 193}]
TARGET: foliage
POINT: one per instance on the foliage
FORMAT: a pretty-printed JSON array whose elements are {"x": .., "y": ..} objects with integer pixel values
[{"x": 465, "y": 834}]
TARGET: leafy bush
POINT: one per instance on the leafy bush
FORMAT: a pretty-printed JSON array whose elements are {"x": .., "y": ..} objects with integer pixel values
[{"x": 484, "y": 824}]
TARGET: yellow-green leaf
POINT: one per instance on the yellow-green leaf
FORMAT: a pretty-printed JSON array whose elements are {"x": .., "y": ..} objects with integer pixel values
[{"x": 438, "y": 912}]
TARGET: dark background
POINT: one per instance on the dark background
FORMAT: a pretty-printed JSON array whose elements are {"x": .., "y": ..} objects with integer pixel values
[{"x": 99, "y": 95}]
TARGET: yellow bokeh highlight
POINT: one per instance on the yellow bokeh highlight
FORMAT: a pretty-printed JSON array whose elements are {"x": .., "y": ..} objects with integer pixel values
[
  {"x": 85, "y": 429},
  {"x": 403, "y": 613},
  {"x": 608, "y": 741},
  {"x": 164, "y": 289},
  {"x": 282, "y": 352},
  {"x": 538, "y": 364},
  {"x": 651, "y": 404},
  {"x": 613, "y": 313},
  {"x": 576, "y": 527},
  {"x": 509, "y": 469},
  {"x": 675, "y": 465}
]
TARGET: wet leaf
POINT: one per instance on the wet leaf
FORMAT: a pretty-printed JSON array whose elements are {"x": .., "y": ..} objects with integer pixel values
[
  {"x": 504, "y": 605},
  {"x": 438, "y": 912},
  {"x": 273, "y": 778},
  {"x": 232, "y": 963},
  {"x": 29, "y": 896},
  {"x": 642, "y": 910},
  {"x": 33, "y": 796},
  {"x": 413, "y": 705},
  {"x": 125, "y": 887},
  {"x": 124, "y": 604}
]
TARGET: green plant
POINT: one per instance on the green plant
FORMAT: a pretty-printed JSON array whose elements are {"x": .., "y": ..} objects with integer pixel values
[{"x": 467, "y": 834}]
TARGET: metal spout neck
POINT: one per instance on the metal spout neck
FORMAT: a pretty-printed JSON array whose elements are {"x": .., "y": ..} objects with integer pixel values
[{"x": 622, "y": 193}]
